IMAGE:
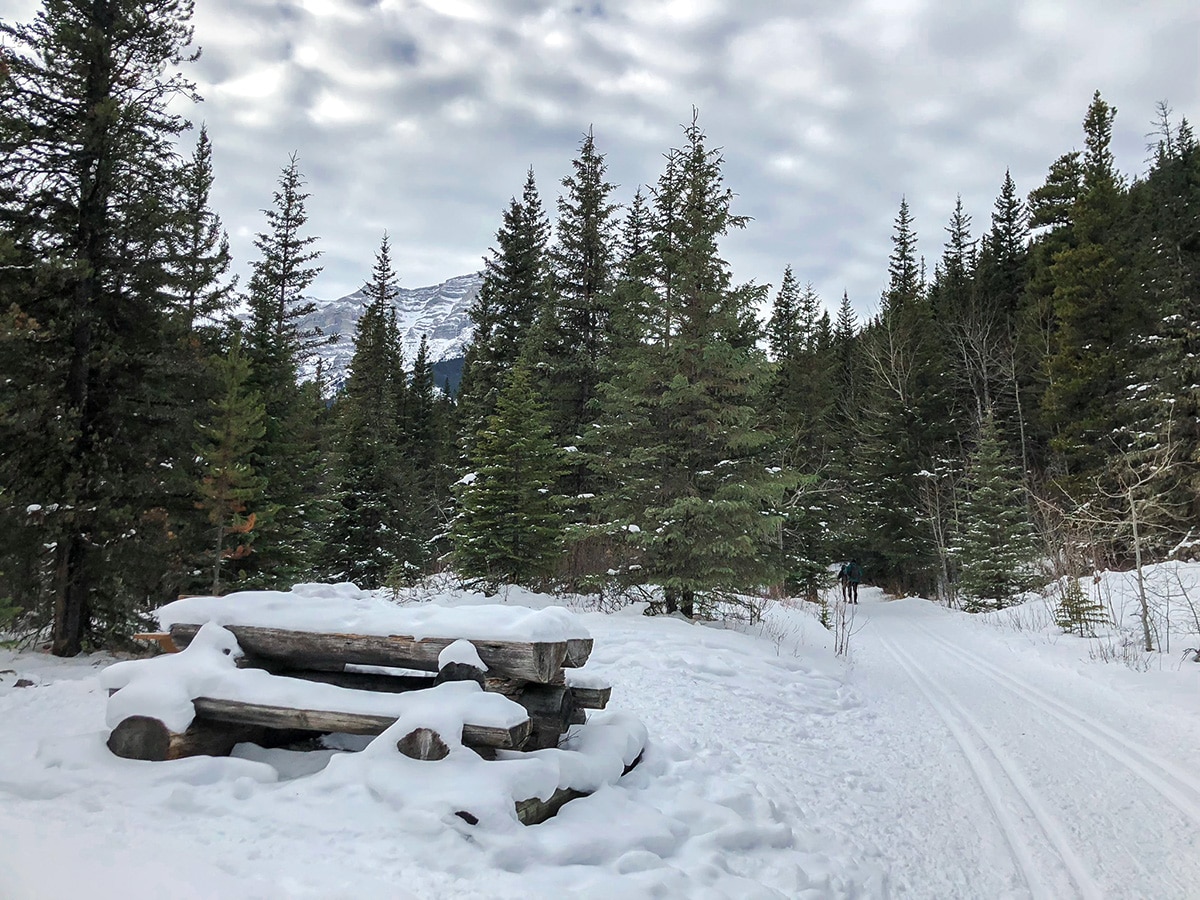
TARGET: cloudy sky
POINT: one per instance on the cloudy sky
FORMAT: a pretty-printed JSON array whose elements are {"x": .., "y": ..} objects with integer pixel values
[{"x": 422, "y": 118}]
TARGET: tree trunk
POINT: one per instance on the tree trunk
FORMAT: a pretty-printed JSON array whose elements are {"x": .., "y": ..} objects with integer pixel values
[
  {"x": 1141, "y": 582},
  {"x": 216, "y": 584},
  {"x": 71, "y": 612}
]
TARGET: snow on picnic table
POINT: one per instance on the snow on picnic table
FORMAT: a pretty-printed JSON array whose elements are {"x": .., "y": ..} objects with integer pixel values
[
  {"x": 951, "y": 758},
  {"x": 343, "y": 608}
]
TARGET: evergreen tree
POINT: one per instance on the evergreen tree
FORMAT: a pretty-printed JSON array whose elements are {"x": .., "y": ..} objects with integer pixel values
[
  {"x": 507, "y": 529},
  {"x": 686, "y": 454},
  {"x": 86, "y": 172},
  {"x": 575, "y": 329},
  {"x": 229, "y": 489},
  {"x": 200, "y": 247},
  {"x": 905, "y": 283},
  {"x": 784, "y": 329},
  {"x": 513, "y": 293},
  {"x": 288, "y": 455},
  {"x": 997, "y": 542},
  {"x": 951, "y": 295},
  {"x": 903, "y": 430},
  {"x": 635, "y": 294},
  {"x": 1051, "y": 213},
  {"x": 803, "y": 396},
  {"x": 1077, "y": 612},
  {"x": 278, "y": 284},
  {"x": 1165, "y": 232},
  {"x": 1093, "y": 315},
  {"x": 845, "y": 335},
  {"x": 430, "y": 450},
  {"x": 374, "y": 533},
  {"x": 1001, "y": 278},
  {"x": 1008, "y": 252}
]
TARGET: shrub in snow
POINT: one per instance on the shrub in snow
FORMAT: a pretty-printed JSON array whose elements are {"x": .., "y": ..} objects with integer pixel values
[{"x": 1079, "y": 613}]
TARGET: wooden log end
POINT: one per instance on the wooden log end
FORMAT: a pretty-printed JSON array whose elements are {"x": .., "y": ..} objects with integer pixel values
[
  {"x": 591, "y": 698},
  {"x": 459, "y": 672},
  {"x": 140, "y": 737},
  {"x": 578, "y": 651},
  {"x": 424, "y": 744}
]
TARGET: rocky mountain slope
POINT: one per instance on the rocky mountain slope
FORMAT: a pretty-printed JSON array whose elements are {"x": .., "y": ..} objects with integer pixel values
[{"x": 439, "y": 312}]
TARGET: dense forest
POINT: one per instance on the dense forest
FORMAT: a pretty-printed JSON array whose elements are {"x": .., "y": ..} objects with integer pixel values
[{"x": 1024, "y": 403}]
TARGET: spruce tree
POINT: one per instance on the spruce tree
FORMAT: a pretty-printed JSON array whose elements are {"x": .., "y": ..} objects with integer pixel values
[
  {"x": 199, "y": 246},
  {"x": 686, "y": 454},
  {"x": 289, "y": 455},
  {"x": 905, "y": 284},
  {"x": 1094, "y": 318},
  {"x": 996, "y": 543},
  {"x": 903, "y": 429},
  {"x": 229, "y": 490},
  {"x": 373, "y": 532},
  {"x": 1164, "y": 225},
  {"x": 573, "y": 337},
  {"x": 514, "y": 292},
  {"x": 87, "y": 131},
  {"x": 1001, "y": 279},
  {"x": 1077, "y": 612},
  {"x": 507, "y": 529},
  {"x": 430, "y": 456},
  {"x": 803, "y": 395}
]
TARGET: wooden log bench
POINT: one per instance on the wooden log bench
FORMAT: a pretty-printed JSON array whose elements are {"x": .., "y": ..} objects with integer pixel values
[
  {"x": 221, "y": 724},
  {"x": 531, "y": 674}
]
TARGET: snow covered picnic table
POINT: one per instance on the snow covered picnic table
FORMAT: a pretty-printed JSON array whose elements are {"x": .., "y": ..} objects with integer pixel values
[{"x": 270, "y": 667}]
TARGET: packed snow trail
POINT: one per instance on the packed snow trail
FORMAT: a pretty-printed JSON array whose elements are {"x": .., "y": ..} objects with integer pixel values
[{"x": 1065, "y": 788}]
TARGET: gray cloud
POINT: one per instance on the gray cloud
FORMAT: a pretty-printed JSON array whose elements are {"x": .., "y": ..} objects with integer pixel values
[{"x": 421, "y": 118}]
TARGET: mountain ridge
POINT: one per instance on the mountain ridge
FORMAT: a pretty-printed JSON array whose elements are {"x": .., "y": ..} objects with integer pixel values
[{"x": 440, "y": 312}]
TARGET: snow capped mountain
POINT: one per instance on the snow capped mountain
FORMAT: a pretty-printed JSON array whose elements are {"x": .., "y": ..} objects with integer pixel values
[{"x": 439, "y": 312}]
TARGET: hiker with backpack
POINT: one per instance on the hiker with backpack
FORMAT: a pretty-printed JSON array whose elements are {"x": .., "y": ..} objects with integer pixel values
[
  {"x": 843, "y": 578},
  {"x": 854, "y": 575}
]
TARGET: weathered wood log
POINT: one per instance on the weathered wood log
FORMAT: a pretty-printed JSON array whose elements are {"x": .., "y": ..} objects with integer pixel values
[
  {"x": 578, "y": 651},
  {"x": 161, "y": 638},
  {"x": 538, "y": 661},
  {"x": 360, "y": 681},
  {"x": 578, "y": 716},
  {"x": 591, "y": 698},
  {"x": 424, "y": 744},
  {"x": 459, "y": 672},
  {"x": 549, "y": 708},
  {"x": 146, "y": 738},
  {"x": 534, "y": 811},
  {"x": 326, "y": 721}
]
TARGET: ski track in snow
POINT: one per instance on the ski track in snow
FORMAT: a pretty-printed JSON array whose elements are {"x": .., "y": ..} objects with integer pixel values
[
  {"x": 1059, "y": 755},
  {"x": 1176, "y": 786},
  {"x": 968, "y": 734}
]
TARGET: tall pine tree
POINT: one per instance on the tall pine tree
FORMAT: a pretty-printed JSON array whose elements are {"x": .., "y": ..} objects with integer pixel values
[
  {"x": 686, "y": 453},
  {"x": 288, "y": 455},
  {"x": 514, "y": 292},
  {"x": 374, "y": 533},
  {"x": 508, "y": 528},
  {"x": 87, "y": 129}
]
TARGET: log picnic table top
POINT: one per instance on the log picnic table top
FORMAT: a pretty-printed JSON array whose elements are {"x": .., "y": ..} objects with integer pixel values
[{"x": 540, "y": 662}]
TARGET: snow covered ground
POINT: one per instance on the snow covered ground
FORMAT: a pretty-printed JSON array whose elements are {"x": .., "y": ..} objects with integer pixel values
[{"x": 951, "y": 756}]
